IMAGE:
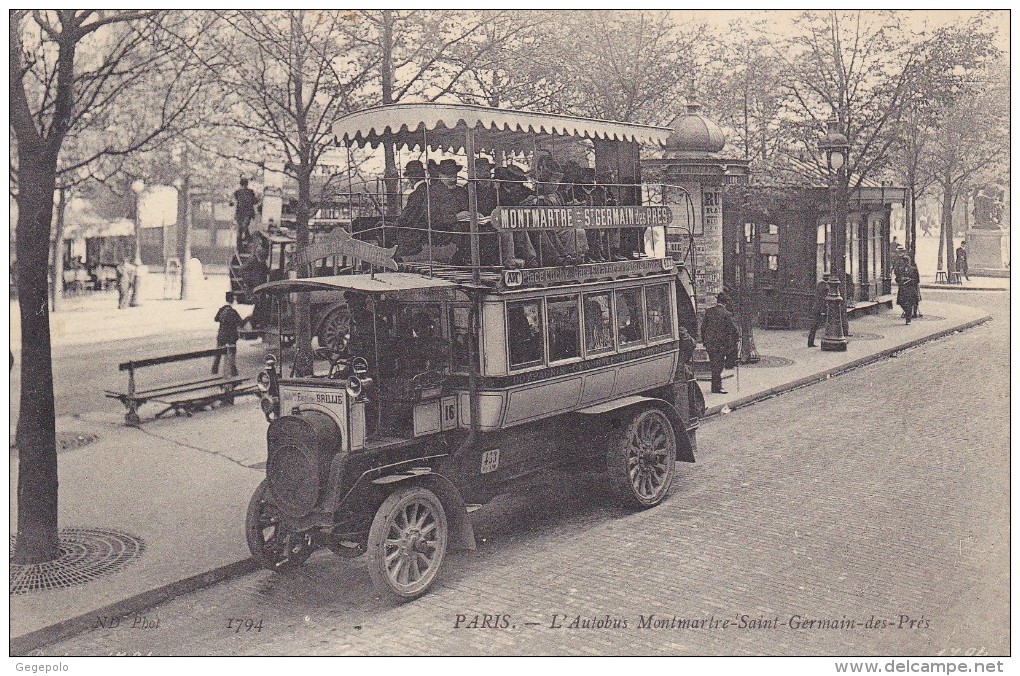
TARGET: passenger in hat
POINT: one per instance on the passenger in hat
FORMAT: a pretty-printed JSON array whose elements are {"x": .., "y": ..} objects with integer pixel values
[
  {"x": 517, "y": 248},
  {"x": 413, "y": 220},
  {"x": 446, "y": 200},
  {"x": 566, "y": 246},
  {"x": 721, "y": 337},
  {"x": 485, "y": 200}
]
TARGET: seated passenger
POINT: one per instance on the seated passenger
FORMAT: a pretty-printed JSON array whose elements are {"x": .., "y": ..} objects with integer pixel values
[
  {"x": 563, "y": 246},
  {"x": 413, "y": 220},
  {"x": 517, "y": 248},
  {"x": 486, "y": 200},
  {"x": 446, "y": 200}
]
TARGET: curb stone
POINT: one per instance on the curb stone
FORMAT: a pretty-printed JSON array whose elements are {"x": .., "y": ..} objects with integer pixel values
[
  {"x": 715, "y": 410},
  {"x": 21, "y": 646}
]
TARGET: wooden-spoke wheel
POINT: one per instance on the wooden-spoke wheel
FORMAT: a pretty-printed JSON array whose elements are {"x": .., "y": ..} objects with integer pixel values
[
  {"x": 407, "y": 543},
  {"x": 334, "y": 326},
  {"x": 274, "y": 546},
  {"x": 641, "y": 459}
]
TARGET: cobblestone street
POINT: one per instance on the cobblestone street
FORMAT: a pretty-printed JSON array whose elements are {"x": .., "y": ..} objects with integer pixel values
[{"x": 876, "y": 501}]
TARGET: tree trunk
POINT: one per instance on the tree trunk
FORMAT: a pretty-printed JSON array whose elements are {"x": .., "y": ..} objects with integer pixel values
[
  {"x": 184, "y": 228},
  {"x": 947, "y": 226},
  {"x": 57, "y": 287},
  {"x": 913, "y": 226},
  {"x": 303, "y": 359},
  {"x": 36, "y": 435},
  {"x": 391, "y": 173}
]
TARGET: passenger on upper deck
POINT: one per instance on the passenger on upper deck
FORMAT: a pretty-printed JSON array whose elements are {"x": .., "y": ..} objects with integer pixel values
[
  {"x": 511, "y": 191},
  {"x": 486, "y": 201},
  {"x": 566, "y": 246},
  {"x": 446, "y": 200},
  {"x": 413, "y": 220}
]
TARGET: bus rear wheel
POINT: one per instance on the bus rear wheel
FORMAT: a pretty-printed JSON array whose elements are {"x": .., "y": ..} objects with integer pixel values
[{"x": 641, "y": 459}]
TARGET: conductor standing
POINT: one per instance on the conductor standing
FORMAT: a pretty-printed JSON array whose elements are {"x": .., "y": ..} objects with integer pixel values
[{"x": 244, "y": 211}]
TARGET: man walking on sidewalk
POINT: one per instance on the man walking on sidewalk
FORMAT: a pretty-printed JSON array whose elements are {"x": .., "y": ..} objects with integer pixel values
[
  {"x": 721, "y": 336},
  {"x": 961, "y": 260}
]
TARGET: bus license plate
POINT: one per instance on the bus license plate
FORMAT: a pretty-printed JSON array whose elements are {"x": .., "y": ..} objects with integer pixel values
[{"x": 490, "y": 461}]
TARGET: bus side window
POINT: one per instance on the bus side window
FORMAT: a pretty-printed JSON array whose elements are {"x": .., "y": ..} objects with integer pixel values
[
  {"x": 629, "y": 322},
  {"x": 660, "y": 319},
  {"x": 460, "y": 330},
  {"x": 564, "y": 328},
  {"x": 598, "y": 327},
  {"x": 524, "y": 333}
]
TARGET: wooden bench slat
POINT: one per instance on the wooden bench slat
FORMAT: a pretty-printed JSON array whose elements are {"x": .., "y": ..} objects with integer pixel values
[
  {"x": 146, "y": 395},
  {"x": 206, "y": 382},
  {"x": 198, "y": 354}
]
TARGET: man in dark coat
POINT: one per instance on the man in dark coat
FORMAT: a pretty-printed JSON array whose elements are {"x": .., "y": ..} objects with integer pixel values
[
  {"x": 227, "y": 335},
  {"x": 818, "y": 309},
  {"x": 721, "y": 336},
  {"x": 413, "y": 220},
  {"x": 961, "y": 260},
  {"x": 446, "y": 201},
  {"x": 517, "y": 248},
  {"x": 244, "y": 211},
  {"x": 908, "y": 294}
]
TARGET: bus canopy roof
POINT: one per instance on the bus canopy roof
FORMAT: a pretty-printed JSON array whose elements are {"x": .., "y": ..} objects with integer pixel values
[
  {"x": 381, "y": 282},
  {"x": 442, "y": 126}
]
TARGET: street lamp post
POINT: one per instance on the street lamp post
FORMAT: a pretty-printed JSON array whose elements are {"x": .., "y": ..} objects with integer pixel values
[
  {"x": 137, "y": 187},
  {"x": 836, "y": 148}
]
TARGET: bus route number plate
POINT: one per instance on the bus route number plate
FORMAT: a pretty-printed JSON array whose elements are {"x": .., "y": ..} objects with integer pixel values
[{"x": 490, "y": 461}]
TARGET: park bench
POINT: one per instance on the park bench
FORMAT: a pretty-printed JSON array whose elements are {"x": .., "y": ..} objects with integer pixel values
[{"x": 180, "y": 397}]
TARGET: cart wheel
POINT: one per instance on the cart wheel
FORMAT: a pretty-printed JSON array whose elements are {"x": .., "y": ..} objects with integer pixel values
[
  {"x": 273, "y": 546},
  {"x": 334, "y": 326},
  {"x": 407, "y": 543},
  {"x": 641, "y": 459}
]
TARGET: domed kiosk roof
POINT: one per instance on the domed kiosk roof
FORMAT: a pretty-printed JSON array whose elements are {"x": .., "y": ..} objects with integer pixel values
[{"x": 696, "y": 133}]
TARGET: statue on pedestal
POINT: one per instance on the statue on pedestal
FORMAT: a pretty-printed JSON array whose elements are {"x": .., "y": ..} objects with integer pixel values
[{"x": 987, "y": 209}]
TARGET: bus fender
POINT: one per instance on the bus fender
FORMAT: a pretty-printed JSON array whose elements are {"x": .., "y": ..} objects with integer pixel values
[
  {"x": 462, "y": 533},
  {"x": 685, "y": 449}
]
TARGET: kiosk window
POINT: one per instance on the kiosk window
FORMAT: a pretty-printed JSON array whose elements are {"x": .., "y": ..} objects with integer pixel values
[
  {"x": 524, "y": 333},
  {"x": 598, "y": 323},
  {"x": 660, "y": 318},
  {"x": 628, "y": 316},
  {"x": 564, "y": 328}
]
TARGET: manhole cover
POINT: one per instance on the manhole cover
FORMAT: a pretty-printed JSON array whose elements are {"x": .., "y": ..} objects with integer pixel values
[
  {"x": 866, "y": 336},
  {"x": 767, "y": 361},
  {"x": 85, "y": 555}
]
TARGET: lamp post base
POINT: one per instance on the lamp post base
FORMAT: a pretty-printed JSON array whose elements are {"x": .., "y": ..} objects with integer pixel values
[
  {"x": 834, "y": 339},
  {"x": 834, "y": 344}
]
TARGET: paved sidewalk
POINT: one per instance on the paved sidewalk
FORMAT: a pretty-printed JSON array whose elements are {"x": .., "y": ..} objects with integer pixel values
[
  {"x": 182, "y": 485},
  {"x": 94, "y": 317},
  {"x": 975, "y": 283}
]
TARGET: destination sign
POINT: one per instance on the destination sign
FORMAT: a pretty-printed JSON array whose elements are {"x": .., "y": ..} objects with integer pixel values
[
  {"x": 340, "y": 243},
  {"x": 549, "y": 218}
]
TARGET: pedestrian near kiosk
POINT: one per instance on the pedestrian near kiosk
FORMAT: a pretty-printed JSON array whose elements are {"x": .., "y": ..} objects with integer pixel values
[
  {"x": 961, "y": 260},
  {"x": 818, "y": 310},
  {"x": 721, "y": 337},
  {"x": 908, "y": 294},
  {"x": 230, "y": 321}
]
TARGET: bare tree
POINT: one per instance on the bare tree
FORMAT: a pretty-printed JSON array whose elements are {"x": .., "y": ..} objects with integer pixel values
[
  {"x": 971, "y": 138},
  {"x": 70, "y": 71},
  {"x": 290, "y": 75}
]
